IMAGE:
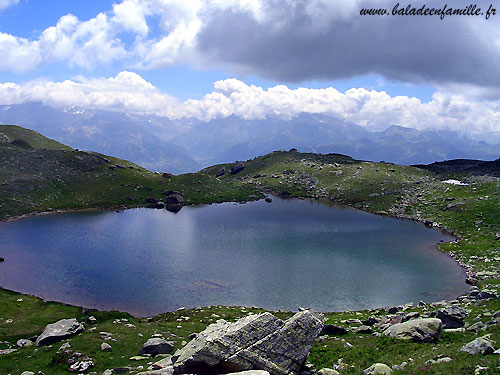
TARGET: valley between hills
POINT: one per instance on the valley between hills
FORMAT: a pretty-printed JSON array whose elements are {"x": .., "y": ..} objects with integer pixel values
[{"x": 462, "y": 197}]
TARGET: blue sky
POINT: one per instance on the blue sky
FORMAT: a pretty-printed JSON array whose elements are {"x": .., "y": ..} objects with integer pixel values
[{"x": 416, "y": 72}]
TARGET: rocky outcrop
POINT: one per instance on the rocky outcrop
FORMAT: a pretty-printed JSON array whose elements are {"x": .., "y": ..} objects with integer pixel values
[
  {"x": 238, "y": 167},
  {"x": 255, "y": 342},
  {"x": 418, "y": 330},
  {"x": 220, "y": 172},
  {"x": 59, "y": 331},
  {"x": 452, "y": 317}
]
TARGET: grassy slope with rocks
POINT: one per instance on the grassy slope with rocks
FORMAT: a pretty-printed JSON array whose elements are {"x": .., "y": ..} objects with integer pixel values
[{"x": 45, "y": 176}]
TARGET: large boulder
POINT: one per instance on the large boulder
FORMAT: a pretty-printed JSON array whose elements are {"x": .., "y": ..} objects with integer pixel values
[
  {"x": 418, "y": 330},
  {"x": 238, "y": 167},
  {"x": 175, "y": 198},
  {"x": 452, "y": 317},
  {"x": 255, "y": 342},
  {"x": 59, "y": 331},
  {"x": 480, "y": 345}
]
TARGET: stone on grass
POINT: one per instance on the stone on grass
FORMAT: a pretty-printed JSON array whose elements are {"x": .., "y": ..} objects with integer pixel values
[
  {"x": 417, "y": 330},
  {"x": 481, "y": 345},
  {"x": 452, "y": 317},
  {"x": 58, "y": 331},
  {"x": 328, "y": 371},
  {"x": 238, "y": 167},
  {"x": 378, "y": 369},
  {"x": 7, "y": 351},
  {"x": 157, "y": 345},
  {"x": 330, "y": 329},
  {"x": 255, "y": 342},
  {"x": 23, "y": 343},
  {"x": 105, "y": 347}
]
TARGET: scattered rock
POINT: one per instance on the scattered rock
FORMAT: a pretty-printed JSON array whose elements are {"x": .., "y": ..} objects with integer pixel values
[
  {"x": 105, "y": 347},
  {"x": 64, "y": 346},
  {"x": 59, "y": 331},
  {"x": 23, "y": 343},
  {"x": 250, "y": 372},
  {"x": 452, "y": 317},
  {"x": 166, "y": 175},
  {"x": 261, "y": 342},
  {"x": 221, "y": 172},
  {"x": 393, "y": 310},
  {"x": 328, "y": 371},
  {"x": 370, "y": 321},
  {"x": 378, "y": 369},
  {"x": 268, "y": 200},
  {"x": 480, "y": 345},
  {"x": 443, "y": 359},
  {"x": 2, "y": 259},
  {"x": 157, "y": 345},
  {"x": 486, "y": 295},
  {"x": 7, "y": 351},
  {"x": 362, "y": 329},
  {"x": 175, "y": 198},
  {"x": 330, "y": 329},
  {"x": 121, "y": 370},
  {"x": 238, "y": 167},
  {"x": 418, "y": 330},
  {"x": 27, "y": 373},
  {"x": 411, "y": 315}
]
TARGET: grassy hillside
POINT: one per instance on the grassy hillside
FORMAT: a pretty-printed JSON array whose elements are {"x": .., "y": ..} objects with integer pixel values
[
  {"x": 37, "y": 178},
  {"x": 47, "y": 176},
  {"x": 34, "y": 140}
]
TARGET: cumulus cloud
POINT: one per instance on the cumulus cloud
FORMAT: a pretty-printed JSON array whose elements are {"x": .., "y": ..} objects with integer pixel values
[
  {"x": 284, "y": 40},
  {"x": 126, "y": 92},
  {"x": 450, "y": 108}
]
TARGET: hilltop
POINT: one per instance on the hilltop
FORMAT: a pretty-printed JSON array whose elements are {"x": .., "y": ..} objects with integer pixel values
[{"x": 39, "y": 175}]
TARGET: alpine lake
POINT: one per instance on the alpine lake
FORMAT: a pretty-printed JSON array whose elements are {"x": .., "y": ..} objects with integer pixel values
[{"x": 281, "y": 255}]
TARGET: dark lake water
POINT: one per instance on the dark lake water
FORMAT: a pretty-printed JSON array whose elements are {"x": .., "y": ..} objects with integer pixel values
[{"x": 283, "y": 255}]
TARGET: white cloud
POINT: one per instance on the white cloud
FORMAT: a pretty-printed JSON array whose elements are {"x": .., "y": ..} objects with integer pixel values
[
  {"x": 450, "y": 107},
  {"x": 4, "y": 4}
]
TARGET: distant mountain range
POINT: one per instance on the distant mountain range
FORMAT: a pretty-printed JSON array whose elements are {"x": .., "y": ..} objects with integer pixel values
[{"x": 188, "y": 145}]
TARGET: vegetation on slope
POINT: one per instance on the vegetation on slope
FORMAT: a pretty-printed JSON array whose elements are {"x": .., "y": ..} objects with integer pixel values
[{"x": 42, "y": 177}]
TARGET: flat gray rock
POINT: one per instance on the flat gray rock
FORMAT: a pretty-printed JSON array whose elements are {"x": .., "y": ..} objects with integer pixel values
[
  {"x": 255, "y": 342},
  {"x": 418, "y": 330},
  {"x": 478, "y": 346},
  {"x": 59, "y": 331}
]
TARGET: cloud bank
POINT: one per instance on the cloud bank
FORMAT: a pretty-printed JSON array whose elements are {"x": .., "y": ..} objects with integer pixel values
[
  {"x": 128, "y": 92},
  {"x": 284, "y": 40}
]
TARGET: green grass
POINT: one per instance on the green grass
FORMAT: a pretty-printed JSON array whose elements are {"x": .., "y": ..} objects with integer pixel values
[{"x": 48, "y": 177}]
